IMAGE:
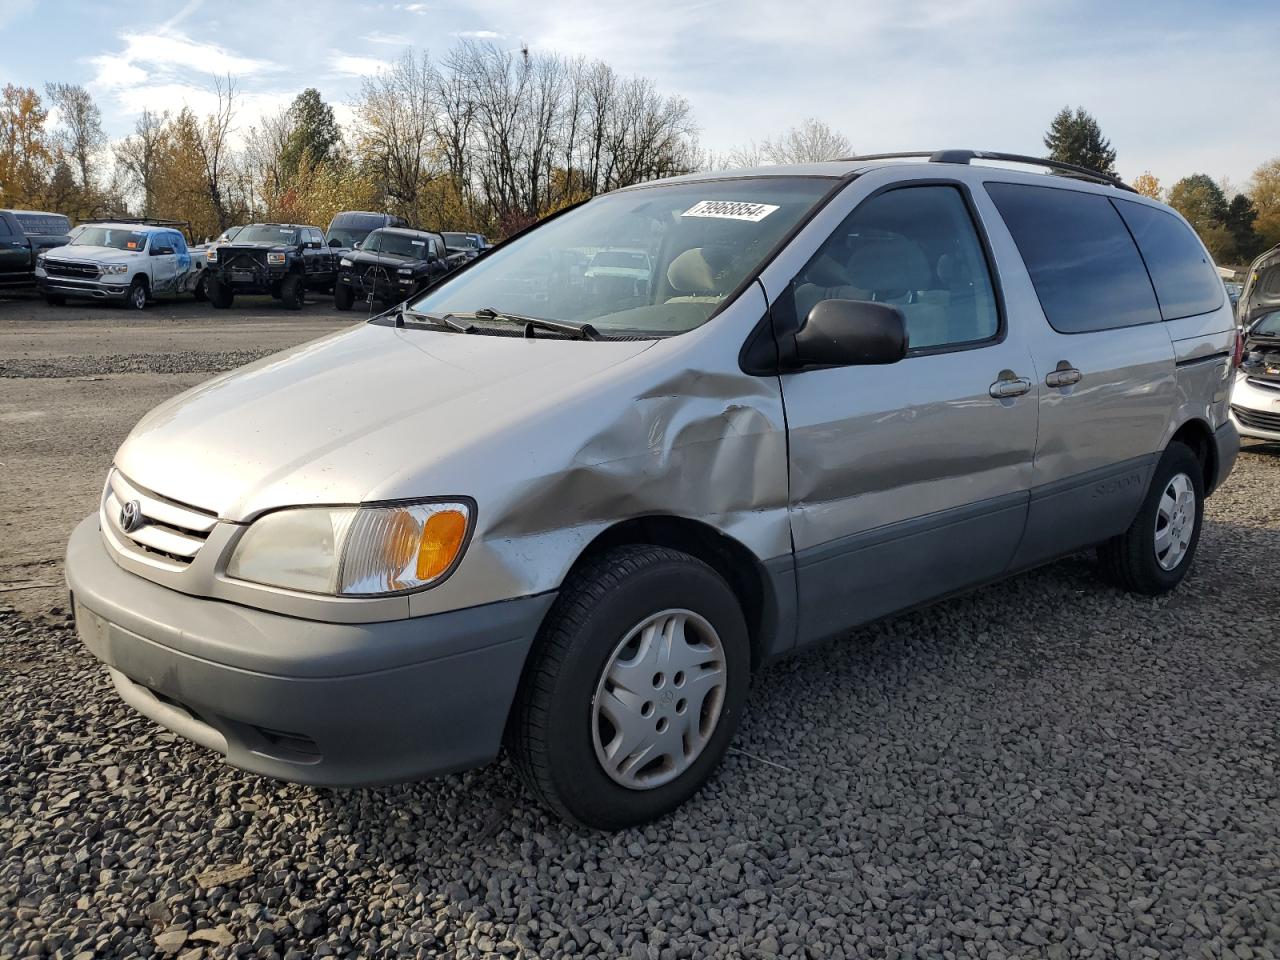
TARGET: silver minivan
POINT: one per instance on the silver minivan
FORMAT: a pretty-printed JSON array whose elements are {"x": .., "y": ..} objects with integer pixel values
[{"x": 573, "y": 515}]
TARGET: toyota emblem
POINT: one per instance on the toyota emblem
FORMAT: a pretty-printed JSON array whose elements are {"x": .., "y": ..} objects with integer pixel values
[{"x": 131, "y": 517}]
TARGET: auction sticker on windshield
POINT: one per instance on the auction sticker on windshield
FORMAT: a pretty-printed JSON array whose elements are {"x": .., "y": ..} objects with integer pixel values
[{"x": 731, "y": 210}]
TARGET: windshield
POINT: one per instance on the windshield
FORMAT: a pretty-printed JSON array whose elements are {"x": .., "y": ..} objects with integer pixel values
[
  {"x": 120, "y": 238},
  {"x": 396, "y": 244},
  {"x": 699, "y": 241},
  {"x": 1268, "y": 326},
  {"x": 265, "y": 233},
  {"x": 459, "y": 241}
]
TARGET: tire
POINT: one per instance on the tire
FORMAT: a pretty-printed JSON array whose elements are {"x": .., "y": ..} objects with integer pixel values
[
  {"x": 343, "y": 297},
  {"x": 221, "y": 295},
  {"x": 136, "y": 298},
  {"x": 55, "y": 300},
  {"x": 559, "y": 733},
  {"x": 1135, "y": 560},
  {"x": 291, "y": 292},
  {"x": 201, "y": 290}
]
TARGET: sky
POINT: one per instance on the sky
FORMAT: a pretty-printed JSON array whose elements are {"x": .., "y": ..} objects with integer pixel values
[{"x": 1178, "y": 86}]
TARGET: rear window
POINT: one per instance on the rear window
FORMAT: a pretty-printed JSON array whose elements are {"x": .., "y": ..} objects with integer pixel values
[
  {"x": 44, "y": 224},
  {"x": 1083, "y": 263},
  {"x": 1185, "y": 280}
]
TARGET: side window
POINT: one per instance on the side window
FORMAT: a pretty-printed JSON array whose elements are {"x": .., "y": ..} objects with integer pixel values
[
  {"x": 316, "y": 238},
  {"x": 916, "y": 248},
  {"x": 1081, "y": 258},
  {"x": 4, "y": 227},
  {"x": 1185, "y": 280},
  {"x": 178, "y": 243}
]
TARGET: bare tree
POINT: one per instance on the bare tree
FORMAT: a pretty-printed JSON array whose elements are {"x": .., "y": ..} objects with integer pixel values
[
  {"x": 811, "y": 142},
  {"x": 138, "y": 158},
  {"x": 396, "y": 109},
  {"x": 81, "y": 134},
  {"x": 213, "y": 144}
]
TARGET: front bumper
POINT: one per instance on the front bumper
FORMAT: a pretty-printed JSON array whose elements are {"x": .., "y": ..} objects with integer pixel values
[
  {"x": 341, "y": 705},
  {"x": 1255, "y": 408},
  {"x": 388, "y": 290},
  {"x": 84, "y": 289}
]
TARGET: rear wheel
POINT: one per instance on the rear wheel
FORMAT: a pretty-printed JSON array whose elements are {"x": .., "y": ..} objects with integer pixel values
[
  {"x": 343, "y": 297},
  {"x": 1154, "y": 554},
  {"x": 201, "y": 290},
  {"x": 220, "y": 294},
  {"x": 136, "y": 298},
  {"x": 291, "y": 292},
  {"x": 634, "y": 688}
]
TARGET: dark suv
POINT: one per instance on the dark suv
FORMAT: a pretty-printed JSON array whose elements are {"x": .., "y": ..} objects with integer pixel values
[
  {"x": 282, "y": 259},
  {"x": 391, "y": 265},
  {"x": 24, "y": 234}
]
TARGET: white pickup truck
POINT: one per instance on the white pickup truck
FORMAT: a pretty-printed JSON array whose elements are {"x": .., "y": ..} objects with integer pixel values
[{"x": 126, "y": 262}]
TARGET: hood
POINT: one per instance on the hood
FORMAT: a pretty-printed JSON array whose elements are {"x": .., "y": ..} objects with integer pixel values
[
  {"x": 396, "y": 259},
  {"x": 357, "y": 416},
  {"x": 234, "y": 245},
  {"x": 94, "y": 254}
]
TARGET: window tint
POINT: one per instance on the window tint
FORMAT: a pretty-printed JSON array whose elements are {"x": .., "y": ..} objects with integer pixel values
[
  {"x": 1082, "y": 261},
  {"x": 1185, "y": 280},
  {"x": 917, "y": 249},
  {"x": 4, "y": 227},
  {"x": 44, "y": 224}
]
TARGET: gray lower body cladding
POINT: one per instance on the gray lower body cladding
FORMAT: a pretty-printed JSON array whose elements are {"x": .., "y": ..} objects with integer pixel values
[
  {"x": 361, "y": 722},
  {"x": 83, "y": 289}
]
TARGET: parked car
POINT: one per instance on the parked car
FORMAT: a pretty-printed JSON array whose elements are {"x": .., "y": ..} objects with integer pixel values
[
  {"x": 853, "y": 388},
  {"x": 282, "y": 259},
  {"x": 1255, "y": 401},
  {"x": 131, "y": 263},
  {"x": 391, "y": 265},
  {"x": 1233, "y": 291},
  {"x": 351, "y": 228},
  {"x": 24, "y": 234},
  {"x": 468, "y": 245}
]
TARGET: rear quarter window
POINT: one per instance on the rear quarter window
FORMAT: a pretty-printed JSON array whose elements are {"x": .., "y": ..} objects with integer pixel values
[
  {"x": 1184, "y": 277},
  {"x": 44, "y": 224},
  {"x": 1083, "y": 263}
]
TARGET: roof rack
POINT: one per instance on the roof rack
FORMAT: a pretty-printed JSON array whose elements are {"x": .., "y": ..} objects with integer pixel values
[
  {"x": 143, "y": 221},
  {"x": 965, "y": 156}
]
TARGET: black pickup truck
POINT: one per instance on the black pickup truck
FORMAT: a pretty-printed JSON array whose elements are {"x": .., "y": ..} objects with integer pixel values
[
  {"x": 24, "y": 235},
  {"x": 282, "y": 259},
  {"x": 391, "y": 265}
]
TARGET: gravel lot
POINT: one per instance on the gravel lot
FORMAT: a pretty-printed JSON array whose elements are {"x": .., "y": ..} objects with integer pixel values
[{"x": 1044, "y": 768}]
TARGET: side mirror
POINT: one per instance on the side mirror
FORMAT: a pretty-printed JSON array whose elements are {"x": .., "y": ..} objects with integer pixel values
[
  {"x": 356, "y": 245},
  {"x": 313, "y": 244},
  {"x": 852, "y": 332},
  {"x": 335, "y": 243}
]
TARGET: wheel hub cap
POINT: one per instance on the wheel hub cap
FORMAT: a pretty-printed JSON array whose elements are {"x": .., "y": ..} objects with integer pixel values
[
  {"x": 658, "y": 700},
  {"x": 1175, "y": 521}
]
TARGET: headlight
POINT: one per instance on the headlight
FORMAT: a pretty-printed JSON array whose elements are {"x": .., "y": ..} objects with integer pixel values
[
  {"x": 353, "y": 551},
  {"x": 344, "y": 262},
  {"x": 275, "y": 258},
  {"x": 405, "y": 271},
  {"x": 211, "y": 256},
  {"x": 115, "y": 268}
]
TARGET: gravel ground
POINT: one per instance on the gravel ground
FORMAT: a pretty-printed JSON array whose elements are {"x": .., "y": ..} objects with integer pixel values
[
  {"x": 1044, "y": 768},
  {"x": 86, "y": 366}
]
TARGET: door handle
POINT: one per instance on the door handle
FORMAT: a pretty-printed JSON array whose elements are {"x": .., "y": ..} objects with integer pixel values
[
  {"x": 1009, "y": 385},
  {"x": 1064, "y": 376}
]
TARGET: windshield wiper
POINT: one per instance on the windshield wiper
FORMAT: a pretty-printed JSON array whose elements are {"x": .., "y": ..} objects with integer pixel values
[
  {"x": 402, "y": 313},
  {"x": 582, "y": 331}
]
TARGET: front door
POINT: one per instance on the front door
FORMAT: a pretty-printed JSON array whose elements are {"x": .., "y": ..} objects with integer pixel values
[
  {"x": 910, "y": 480},
  {"x": 164, "y": 266},
  {"x": 1103, "y": 359}
]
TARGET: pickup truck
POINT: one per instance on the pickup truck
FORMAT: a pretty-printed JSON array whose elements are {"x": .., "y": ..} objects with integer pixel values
[
  {"x": 282, "y": 259},
  {"x": 129, "y": 263},
  {"x": 390, "y": 265},
  {"x": 24, "y": 234}
]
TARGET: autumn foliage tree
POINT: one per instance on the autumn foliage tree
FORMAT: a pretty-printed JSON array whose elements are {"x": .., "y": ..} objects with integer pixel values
[{"x": 26, "y": 156}]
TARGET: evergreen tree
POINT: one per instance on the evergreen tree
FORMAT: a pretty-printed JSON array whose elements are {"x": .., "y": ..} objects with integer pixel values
[
  {"x": 1239, "y": 222},
  {"x": 1077, "y": 138},
  {"x": 315, "y": 134}
]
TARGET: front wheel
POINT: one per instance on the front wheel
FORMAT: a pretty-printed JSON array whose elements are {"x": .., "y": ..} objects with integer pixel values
[
  {"x": 1154, "y": 554},
  {"x": 343, "y": 297},
  {"x": 136, "y": 298},
  {"x": 291, "y": 292},
  {"x": 633, "y": 690}
]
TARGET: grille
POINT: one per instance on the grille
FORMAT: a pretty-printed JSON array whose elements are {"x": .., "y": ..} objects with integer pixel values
[
  {"x": 63, "y": 268},
  {"x": 170, "y": 531},
  {"x": 1257, "y": 419}
]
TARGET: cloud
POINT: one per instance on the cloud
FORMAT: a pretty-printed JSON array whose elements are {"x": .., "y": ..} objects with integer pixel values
[
  {"x": 346, "y": 65},
  {"x": 419, "y": 8},
  {"x": 146, "y": 55},
  {"x": 480, "y": 35},
  {"x": 390, "y": 39}
]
